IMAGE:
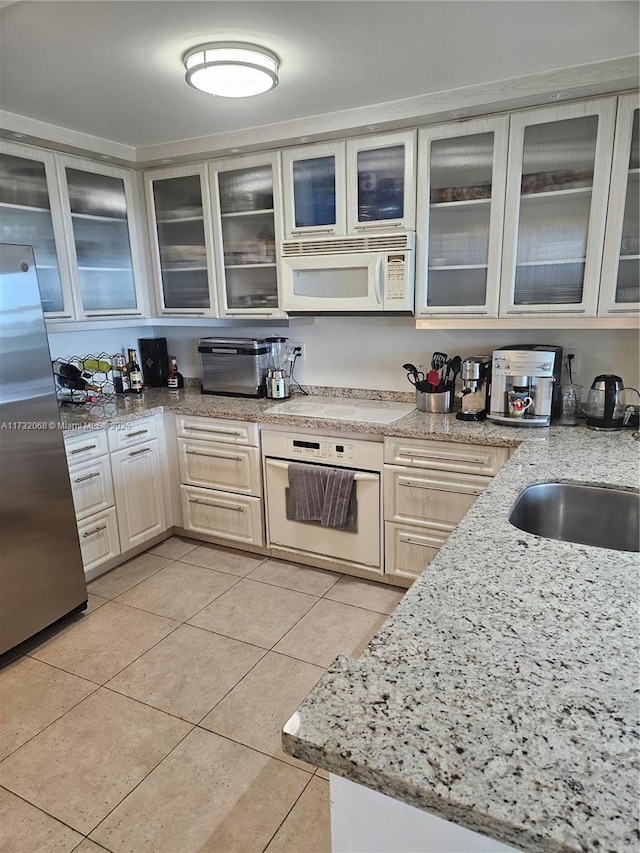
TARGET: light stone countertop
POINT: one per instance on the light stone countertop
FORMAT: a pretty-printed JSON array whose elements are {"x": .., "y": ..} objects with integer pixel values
[{"x": 501, "y": 694}]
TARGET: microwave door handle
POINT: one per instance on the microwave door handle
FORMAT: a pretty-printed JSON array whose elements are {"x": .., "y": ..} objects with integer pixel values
[{"x": 378, "y": 275}]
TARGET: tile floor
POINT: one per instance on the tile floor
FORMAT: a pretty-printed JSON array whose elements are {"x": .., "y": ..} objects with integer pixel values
[{"x": 152, "y": 722}]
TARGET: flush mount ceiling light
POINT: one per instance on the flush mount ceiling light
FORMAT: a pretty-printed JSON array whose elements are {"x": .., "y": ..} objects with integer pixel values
[{"x": 231, "y": 69}]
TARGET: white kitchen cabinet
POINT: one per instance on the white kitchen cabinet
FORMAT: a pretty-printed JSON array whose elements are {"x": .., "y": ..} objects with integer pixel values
[
  {"x": 31, "y": 214},
  {"x": 181, "y": 234},
  {"x": 460, "y": 217},
  {"x": 429, "y": 486},
  {"x": 139, "y": 486},
  {"x": 247, "y": 218},
  {"x": 236, "y": 518},
  {"x": 556, "y": 198},
  {"x": 221, "y": 478},
  {"x": 351, "y": 186},
  {"x": 99, "y": 541},
  {"x": 620, "y": 281},
  {"x": 102, "y": 215},
  {"x": 93, "y": 498}
]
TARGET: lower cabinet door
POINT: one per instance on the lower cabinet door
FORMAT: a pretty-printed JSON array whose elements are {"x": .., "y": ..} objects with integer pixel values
[
  {"x": 91, "y": 486},
  {"x": 138, "y": 486},
  {"x": 99, "y": 539},
  {"x": 234, "y": 517},
  {"x": 409, "y": 549}
]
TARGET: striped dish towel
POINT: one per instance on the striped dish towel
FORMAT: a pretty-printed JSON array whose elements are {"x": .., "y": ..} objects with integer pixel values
[{"x": 321, "y": 494}]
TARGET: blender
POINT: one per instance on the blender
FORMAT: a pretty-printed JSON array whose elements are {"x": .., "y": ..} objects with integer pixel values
[{"x": 277, "y": 379}]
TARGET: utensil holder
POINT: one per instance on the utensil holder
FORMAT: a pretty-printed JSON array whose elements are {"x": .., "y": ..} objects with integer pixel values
[{"x": 435, "y": 402}]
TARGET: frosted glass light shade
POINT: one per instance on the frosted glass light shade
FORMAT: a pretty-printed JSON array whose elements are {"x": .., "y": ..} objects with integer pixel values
[{"x": 231, "y": 69}]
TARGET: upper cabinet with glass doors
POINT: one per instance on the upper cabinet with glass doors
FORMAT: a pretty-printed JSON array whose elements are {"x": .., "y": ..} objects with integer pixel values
[
  {"x": 620, "y": 281},
  {"x": 556, "y": 200},
  {"x": 350, "y": 187},
  {"x": 102, "y": 217},
  {"x": 461, "y": 182},
  {"x": 30, "y": 214},
  {"x": 181, "y": 239},
  {"x": 247, "y": 227}
]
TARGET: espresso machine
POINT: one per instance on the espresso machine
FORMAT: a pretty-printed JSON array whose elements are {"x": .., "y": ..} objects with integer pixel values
[
  {"x": 475, "y": 373},
  {"x": 525, "y": 385}
]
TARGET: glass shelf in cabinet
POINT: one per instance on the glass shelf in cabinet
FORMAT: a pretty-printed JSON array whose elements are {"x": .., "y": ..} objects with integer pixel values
[
  {"x": 239, "y": 213},
  {"x": 99, "y": 218},
  {"x": 550, "y": 195},
  {"x": 458, "y": 267},
  {"x": 470, "y": 202},
  {"x": 27, "y": 207}
]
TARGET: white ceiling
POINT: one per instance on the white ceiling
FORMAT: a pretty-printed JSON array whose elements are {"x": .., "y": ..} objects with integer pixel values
[{"x": 114, "y": 69}]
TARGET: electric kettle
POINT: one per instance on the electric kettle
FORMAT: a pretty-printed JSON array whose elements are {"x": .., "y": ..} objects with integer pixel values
[{"x": 605, "y": 408}]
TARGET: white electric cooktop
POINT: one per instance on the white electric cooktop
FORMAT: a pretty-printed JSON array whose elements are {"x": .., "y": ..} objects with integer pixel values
[{"x": 343, "y": 409}]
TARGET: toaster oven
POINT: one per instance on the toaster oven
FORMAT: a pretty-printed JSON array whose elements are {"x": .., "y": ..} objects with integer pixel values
[{"x": 234, "y": 367}]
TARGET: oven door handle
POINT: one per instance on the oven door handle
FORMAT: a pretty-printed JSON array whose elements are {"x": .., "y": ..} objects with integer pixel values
[{"x": 359, "y": 476}]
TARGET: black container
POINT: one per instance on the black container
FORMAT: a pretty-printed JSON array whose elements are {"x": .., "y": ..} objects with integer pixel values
[{"x": 154, "y": 361}]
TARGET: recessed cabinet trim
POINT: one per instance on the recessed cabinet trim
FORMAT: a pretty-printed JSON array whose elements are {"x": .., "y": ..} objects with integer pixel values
[
  {"x": 621, "y": 176},
  {"x": 134, "y": 208},
  {"x": 260, "y": 275},
  {"x": 597, "y": 193},
  {"x": 491, "y": 207},
  {"x": 406, "y": 222},
  {"x": 56, "y": 209},
  {"x": 206, "y": 265}
]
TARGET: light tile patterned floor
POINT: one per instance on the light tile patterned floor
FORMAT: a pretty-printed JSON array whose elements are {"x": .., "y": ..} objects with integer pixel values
[{"x": 152, "y": 722}]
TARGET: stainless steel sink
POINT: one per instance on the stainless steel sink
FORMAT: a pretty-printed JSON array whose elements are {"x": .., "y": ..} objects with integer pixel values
[{"x": 590, "y": 515}]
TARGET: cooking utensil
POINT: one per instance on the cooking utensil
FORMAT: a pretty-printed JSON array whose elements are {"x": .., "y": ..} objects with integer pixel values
[
  {"x": 413, "y": 374},
  {"x": 455, "y": 364},
  {"x": 433, "y": 378}
]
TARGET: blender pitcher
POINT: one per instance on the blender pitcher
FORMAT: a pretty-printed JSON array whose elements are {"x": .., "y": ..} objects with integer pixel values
[{"x": 278, "y": 372}]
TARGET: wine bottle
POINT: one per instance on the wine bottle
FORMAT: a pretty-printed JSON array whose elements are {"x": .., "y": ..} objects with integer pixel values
[
  {"x": 175, "y": 378},
  {"x": 120, "y": 374},
  {"x": 135, "y": 374}
]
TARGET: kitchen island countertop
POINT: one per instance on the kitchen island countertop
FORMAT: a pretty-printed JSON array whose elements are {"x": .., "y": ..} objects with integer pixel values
[{"x": 501, "y": 694}]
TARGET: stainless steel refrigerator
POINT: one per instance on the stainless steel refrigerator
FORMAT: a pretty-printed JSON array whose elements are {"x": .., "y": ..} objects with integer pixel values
[{"x": 41, "y": 574}]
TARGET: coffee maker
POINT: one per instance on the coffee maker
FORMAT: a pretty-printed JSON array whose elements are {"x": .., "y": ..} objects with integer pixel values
[
  {"x": 526, "y": 385},
  {"x": 475, "y": 373}
]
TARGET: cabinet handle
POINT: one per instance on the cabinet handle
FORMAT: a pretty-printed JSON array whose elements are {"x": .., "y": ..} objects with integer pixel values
[
  {"x": 95, "y": 530},
  {"x": 441, "y": 456},
  {"x": 219, "y": 431},
  {"x": 87, "y": 477},
  {"x": 424, "y": 542},
  {"x": 316, "y": 231},
  {"x": 213, "y": 503},
  {"x": 436, "y": 485},
  {"x": 138, "y": 432},
  {"x": 381, "y": 225},
  {"x": 185, "y": 313},
  {"x": 138, "y": 452},
  {"x": 82, "y": 449},
  {"x": 215, "y": 455}
]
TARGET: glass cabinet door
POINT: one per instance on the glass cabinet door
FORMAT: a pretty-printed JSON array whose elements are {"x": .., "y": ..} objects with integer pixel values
[
  {"x": 556, "y": 204},
  {"x": 460, "y": 210},
  {"x": 247, "y": 226},
  {"x": 314, "y": 189},
  {"x": 180, "y": 235},
  {"x": 620, "y": 287},
  {"x": 26, "y": 218},
  {"x": 98, "y": 206},
  {"x": 381, "y": 182}
]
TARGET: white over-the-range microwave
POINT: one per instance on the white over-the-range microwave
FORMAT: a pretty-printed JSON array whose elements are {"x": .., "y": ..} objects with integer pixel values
[{"x": 349, "y": 275}]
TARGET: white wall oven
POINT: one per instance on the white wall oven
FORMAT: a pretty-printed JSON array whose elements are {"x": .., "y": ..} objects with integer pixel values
[{"x": 358, "y": 540}]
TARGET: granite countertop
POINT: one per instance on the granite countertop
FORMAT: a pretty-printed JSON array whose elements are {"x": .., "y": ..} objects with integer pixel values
[
  {"x": 501, "y": 693},
  {"x": 189, "y": 401}
]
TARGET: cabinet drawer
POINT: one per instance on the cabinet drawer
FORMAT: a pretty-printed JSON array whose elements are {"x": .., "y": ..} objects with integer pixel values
[
  {"x": 232, "y": 517},
  {"x": 92, "y": 486},
  {"x": 99, "y": 539},
  {"x": 445, "y": 455},
  {"x": 132, "y": 432},
  {"x": 435, "y": 499},
  {"x": 409, "y": 549},
  {"x": 219, "y": 466},
  {"x": 217, "y": 429},
  {"x": 80, "y": 446}
]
